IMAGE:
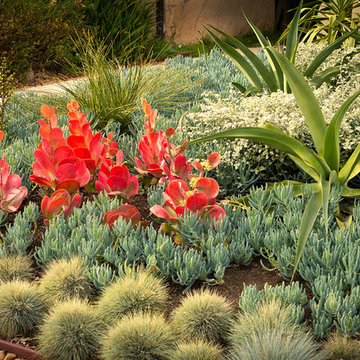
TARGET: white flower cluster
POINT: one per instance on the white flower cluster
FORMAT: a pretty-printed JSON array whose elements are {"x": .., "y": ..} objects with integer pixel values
[{"x": 279, "y": 109}]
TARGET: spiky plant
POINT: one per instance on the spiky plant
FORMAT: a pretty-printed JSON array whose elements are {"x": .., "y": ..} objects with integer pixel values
[
  {"x": 70, "y": 331},
  {"x": 15, "y": 267},
  {"x": 198, "y": 350},
  {"x": 204, "y": 315},
  {"x": 21, "y": 308},
  {"x": 135, "y": 292},
  {"x": 271, "y": 334},
  {"x": 65, "y": 279},
  {"x": 341, "y": 347},
  {"x": 139, "y": 337}
]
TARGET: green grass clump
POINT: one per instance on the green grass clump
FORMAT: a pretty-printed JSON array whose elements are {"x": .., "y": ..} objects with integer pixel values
[
  {"x": 271, "y": 334},
  {"x": 70, "y": 331},
  {"x": 65, "y": 279},
  {"x": 204, "y": 315},
  {"x": 199, "y": 350},
  {"x": 139, "y": 337},
  {"x": 21, "y": 308},
  {"x": 340, "y": 347},
  {"x": 14, "y": 267},
  {"x": 132, "y": 293}
]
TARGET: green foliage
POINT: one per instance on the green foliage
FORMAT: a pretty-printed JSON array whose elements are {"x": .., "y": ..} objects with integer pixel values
[
  {"x": 21, "y": 309},
  {"x": 326, "y": 21},
  {"x": 135, "y": 292},
  {"x": 270, "y": 334},
  {"x": 139, "y": 337},
  {"x": 65, "y": 280},
  {"x": 7, "y": 87},
  {"x": 30, "y": 43},
  {"x": 20, "y": 234},
  {"x": 84, "y": 235},
  {"x": 273, "y": 78},
  {"x": 112, "y": 91},
  {"x": 340, "y": 347},
  {"x": 14, "y": 267},
  {"x": 199, "y": 350},
  {"x": 203, "y": 315},
  {"x": 292, "y": 296},
  {"x": 127, "y": 27},
  {"x": 323, "y": 164},
  {"x": 70, "y": 331}
]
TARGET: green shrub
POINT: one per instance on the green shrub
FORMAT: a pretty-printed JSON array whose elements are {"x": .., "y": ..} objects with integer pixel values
[
  {"x": 132, "y": 293},
  {"x": 14, "y": 267},
  {"x": 199, "y": 350},
  {"x": 203, "y": 315},
  {"x": 21, "y": 309},
  {"x": 271, "y": 334},
  {"x": 139, "y": 337},
  {"x": 35, "y": 34},
  {"x": 70, "y": 331},
  {"x": 128, "y": 27},
  {"x": 65, "y": 279},
  {"x": 342, "y": 348}
]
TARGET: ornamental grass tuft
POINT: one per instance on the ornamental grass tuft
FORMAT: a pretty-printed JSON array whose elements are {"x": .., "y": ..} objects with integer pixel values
[
  {"x": 204, "y": 315},
  {"x": 65, "y": 279},
  {"x": 135, "y": 292},
  {"x": 70, "y": 331},
  {"x": 139, "y": 337},
  {"x": 21, "y": 309},
  {"x": 198, "y": 350},
  {"x": 14, "y": 267},
  {"x": 341, "y": 347}
]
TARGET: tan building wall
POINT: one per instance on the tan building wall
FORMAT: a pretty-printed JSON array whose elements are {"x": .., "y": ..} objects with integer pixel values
[{"x": 185, "y": 19}]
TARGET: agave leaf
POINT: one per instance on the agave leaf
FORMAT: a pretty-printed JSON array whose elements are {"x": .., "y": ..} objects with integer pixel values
[
  {"x": 325, "y": 76},
  {"x": 268, "y": 75},
  {"x": 239, "y": 87},
  {"x": 292, "y": 40},
  {"x": 240, "y": 61},
  {"x": 305, "y": 99},
  {"x": 348, "y": 192},
  {"x": 331, "y": 143},
  {"x": 351, "y": 168},
  {"x": 272, "y": 60},
  {"x": 307, "y": 222},
  {"x": 276, "y": 139},
  {"x": 310, "y": 71}
]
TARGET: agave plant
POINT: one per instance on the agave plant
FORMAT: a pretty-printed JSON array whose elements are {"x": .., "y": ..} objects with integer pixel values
[
  {"x": 273, "y": 79},
  {"x": 322, "y": 164}
]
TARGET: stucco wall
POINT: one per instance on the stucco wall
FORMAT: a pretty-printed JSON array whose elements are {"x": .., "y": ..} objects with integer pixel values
[{"x": 185, "y": 19}]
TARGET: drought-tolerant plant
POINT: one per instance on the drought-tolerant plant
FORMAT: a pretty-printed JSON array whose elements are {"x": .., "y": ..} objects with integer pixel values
[
  {"x": 270, "y": 334},
  {"x": 203, "y": 315},
  {"x": 111, "y": 91},
  {"x": 59, "y": 202},
  {"x": 21, "y": 308},
  {"x": 14, "y": 267},
  {"x": 323, "y": 164},
  {"x": 341, "y": 347},
  {"x": 128, "y": 212},
  {"x": 70, "y": 331},
  {"x": 65, "y": 280},
  {"x": 274, "y": 78},
  {"x": 199, "y": 350},
  {"x": 11, "y": 192},
  {"x": 134, "y": 292},
  {"x": 139, "y": 337},
  {"x": 326, "y": 21}
]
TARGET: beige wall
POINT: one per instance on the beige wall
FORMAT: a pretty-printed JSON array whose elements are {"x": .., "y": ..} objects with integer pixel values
[{"x": 185, "y": 19}]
